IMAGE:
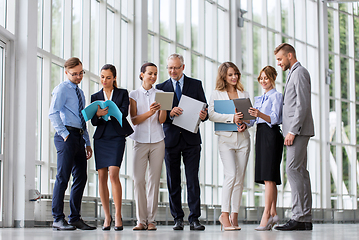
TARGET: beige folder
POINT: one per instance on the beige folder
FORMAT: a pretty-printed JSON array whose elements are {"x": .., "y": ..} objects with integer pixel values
[{"x": 165, "y": 99}]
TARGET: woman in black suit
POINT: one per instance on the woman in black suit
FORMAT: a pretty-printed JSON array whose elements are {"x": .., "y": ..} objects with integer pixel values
[{"x": 109, "y": 143}]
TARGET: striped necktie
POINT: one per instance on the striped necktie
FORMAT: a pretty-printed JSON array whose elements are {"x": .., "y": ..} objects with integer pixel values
[{"x": 81, "y": 106}]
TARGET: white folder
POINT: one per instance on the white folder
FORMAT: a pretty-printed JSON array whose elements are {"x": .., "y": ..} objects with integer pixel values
[{"x": 189, "y": 119}]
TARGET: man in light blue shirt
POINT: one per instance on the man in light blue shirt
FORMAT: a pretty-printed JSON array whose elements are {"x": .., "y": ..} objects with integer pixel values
[{"x": 72, "y": 144}]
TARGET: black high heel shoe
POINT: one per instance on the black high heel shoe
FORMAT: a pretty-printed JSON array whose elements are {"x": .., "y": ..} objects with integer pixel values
[
  {"x": 108, "y": 227},
  {"x": 119, "y": 228}
]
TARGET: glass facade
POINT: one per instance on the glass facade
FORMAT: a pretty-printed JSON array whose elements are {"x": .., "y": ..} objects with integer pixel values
[
  {"x": 343, "y": 97},
  {"x": 190, "y": 32},
  {"x": 95, "y": 46}
]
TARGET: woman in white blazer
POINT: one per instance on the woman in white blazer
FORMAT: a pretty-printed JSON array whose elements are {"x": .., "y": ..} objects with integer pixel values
[{"x": 234, "y": 146}]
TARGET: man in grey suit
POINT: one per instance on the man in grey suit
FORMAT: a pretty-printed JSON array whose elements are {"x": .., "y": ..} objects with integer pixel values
[{"x": 298, "y": 127}]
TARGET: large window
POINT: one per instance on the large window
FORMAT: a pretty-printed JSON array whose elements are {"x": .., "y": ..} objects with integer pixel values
[
  {"x": 266, "y": 26},
  {"x": 343, "y": 98},
  {"x": 201, "y": 31},
  {"x": 190, "y": 32},
  {"x": 65, "y": 31},
  {"x": 7, "y": 15}
]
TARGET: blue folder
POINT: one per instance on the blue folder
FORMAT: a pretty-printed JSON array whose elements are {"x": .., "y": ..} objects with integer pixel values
[
  {"x": 113, "y": 110},
  {"x": 224, "y": 107}
]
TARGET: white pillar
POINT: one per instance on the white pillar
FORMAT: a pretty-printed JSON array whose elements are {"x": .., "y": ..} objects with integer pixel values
[
  {"x": 325, "y": 188},
  {"x": 140, "y": 37},
  {"x": 24, "y": 100}
]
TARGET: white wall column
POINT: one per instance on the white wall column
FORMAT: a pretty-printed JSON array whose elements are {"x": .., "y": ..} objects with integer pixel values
[
  {"x": 235, "y": 33},
  {"x": 24, "y": 102},
  {"x": 324, "y": 103},
  {"x": 140, "y": 38}
]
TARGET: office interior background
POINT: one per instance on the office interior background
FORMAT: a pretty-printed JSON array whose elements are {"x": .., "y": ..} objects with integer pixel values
[{"x": 37, "y": 36}]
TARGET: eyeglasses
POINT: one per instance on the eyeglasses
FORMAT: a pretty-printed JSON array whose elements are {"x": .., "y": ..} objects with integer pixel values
[
  {"x": 174, "y": 68},
  {"x": 77, "y": 74}
]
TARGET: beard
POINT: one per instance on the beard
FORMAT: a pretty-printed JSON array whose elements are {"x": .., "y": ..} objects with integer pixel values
[{"x": 286, "y": 67}]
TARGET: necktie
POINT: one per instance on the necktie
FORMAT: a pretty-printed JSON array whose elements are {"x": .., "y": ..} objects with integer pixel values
[
  {"x": 178, "y": 90},
  {"x": 265, "y": 97},
  {"x": 81, "y": 106}
]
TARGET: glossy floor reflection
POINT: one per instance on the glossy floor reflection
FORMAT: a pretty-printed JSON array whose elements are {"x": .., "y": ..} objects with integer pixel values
[{"x": 320, "y": 231}]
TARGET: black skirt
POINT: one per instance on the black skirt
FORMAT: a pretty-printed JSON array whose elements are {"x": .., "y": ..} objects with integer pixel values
[
  {"x": 109, "y": 148},
  {"x": 269, "y": 148}
]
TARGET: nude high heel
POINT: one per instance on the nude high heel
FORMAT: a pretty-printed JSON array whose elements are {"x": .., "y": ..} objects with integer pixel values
[
  {"x": 275, "y": 220},
  {"x": 268, "y": 227},
  {"x": 236, "y": 227},
  {"x": 230, "y": 228}
]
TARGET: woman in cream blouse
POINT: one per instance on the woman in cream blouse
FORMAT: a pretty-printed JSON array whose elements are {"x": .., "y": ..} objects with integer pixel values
[{"x": 149, "y": 147}]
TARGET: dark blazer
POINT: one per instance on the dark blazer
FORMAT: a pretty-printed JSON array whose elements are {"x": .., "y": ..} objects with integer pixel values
[
  {"x": 120, "y": 97},
  {"x": 191, "y": 88}
]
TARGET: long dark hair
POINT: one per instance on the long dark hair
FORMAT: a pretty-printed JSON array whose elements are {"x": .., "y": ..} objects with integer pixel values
[
  {"x": 144, "y": 66},
  {"x": 112, "y": 68}
]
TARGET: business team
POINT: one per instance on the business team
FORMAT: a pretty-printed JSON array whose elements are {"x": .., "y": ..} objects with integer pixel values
[{"x": 175, "y": 144}]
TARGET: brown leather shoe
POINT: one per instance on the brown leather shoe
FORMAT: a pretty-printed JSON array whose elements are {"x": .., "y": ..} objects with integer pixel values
[{"x": 151, "y": 227}]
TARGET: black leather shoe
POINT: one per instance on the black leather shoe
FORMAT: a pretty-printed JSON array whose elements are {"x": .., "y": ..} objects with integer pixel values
[
  {"x": 108, "y": 227},
  {"x": 308, "y": 226},
  {"x": 62, "y": 225},
  {"x": 292, "y": 225},
  {"x": 196, "y": 225},
  {"x": 118, "y": 228},
  {"x": 178, "y": 225},
  {"x": 80, "y": 224}
]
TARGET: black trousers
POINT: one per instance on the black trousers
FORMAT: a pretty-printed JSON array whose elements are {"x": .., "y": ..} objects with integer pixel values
[
  {"x": 71, "y": 158},
  {"x": 191, "y": 155}
]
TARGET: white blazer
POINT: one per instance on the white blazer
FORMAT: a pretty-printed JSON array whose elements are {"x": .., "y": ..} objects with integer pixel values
[{"x": 224, "y": 118}]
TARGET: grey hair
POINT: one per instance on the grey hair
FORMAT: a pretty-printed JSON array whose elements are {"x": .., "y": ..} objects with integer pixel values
[{"x": 176, "y": 55}]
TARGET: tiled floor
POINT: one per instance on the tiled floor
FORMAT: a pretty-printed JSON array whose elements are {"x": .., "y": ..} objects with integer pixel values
[{"x": 320, "y": 231}]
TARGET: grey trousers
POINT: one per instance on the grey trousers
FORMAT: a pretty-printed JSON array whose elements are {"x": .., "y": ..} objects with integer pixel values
[
  {"x": 298, "y": 177},
  {"x": 151, "y": 155}
]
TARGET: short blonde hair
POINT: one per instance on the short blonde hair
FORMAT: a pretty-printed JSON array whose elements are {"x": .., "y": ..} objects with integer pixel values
[
  {"x": 271, "y": 74},
  {"x": 221, "y": 82}
]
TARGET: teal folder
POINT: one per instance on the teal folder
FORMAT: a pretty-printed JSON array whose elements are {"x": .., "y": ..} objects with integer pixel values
[
  {"x": 224, "y": 107},
  {"x": 113, "y": 110}
]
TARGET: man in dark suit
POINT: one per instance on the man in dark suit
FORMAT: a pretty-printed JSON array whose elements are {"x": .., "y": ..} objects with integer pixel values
[{"x": 179, "y": 142}]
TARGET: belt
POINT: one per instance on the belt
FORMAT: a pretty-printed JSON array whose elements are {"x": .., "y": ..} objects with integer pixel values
[{"x": 79, "y": 130}]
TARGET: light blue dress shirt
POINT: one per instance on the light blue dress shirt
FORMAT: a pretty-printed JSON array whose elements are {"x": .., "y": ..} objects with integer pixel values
[
  {"x": 64, "y": 109},
  {"x": 181, "y": 82},
  {"x": 271, "y": 104}
]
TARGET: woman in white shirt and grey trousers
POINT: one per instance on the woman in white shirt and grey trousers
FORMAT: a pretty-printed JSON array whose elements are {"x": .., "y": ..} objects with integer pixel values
[
  {"x": 233, "y": 146},
  {"x": 149, "y": 147}
]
